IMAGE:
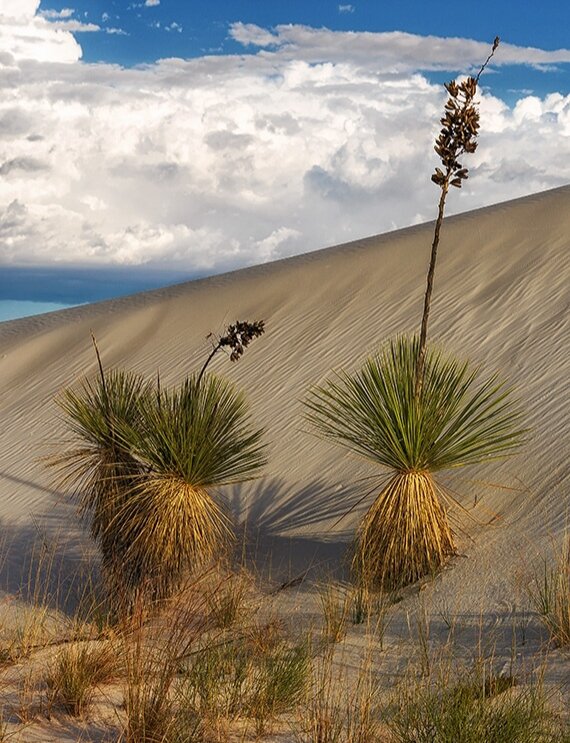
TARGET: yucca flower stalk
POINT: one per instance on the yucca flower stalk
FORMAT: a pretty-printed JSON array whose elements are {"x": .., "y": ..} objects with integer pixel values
[
  {"x": 458, "y": 136},
  {"x": 458, "y": 419}
]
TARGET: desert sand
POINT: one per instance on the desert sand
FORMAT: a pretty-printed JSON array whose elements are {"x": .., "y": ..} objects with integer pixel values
[{"x": 501, "y": 299}]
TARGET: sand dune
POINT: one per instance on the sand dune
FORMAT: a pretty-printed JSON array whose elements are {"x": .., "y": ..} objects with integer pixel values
[{"x": 501, "y": 298}]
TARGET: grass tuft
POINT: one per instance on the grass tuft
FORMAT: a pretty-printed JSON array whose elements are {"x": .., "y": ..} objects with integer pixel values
[
  {"x": 550, "y": 595},
  {"x": 470, "y": 711},
  {"x": 76, "y": 672}
]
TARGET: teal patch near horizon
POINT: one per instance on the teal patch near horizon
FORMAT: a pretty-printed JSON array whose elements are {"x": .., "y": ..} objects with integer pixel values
[{"x": 12, "y": 309}]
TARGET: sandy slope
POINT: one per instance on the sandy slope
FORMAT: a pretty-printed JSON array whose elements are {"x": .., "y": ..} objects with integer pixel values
[{"x": 501, "y": 298}]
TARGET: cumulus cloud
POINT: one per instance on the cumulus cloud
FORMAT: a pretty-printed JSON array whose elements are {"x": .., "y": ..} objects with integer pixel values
[
  {"x": 216, "y": 162},
  {"x": 26, "y": 34},
  {"x": 346, "y": 8}
]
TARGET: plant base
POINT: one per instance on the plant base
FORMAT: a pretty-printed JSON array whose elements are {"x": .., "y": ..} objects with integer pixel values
[{"x": 405, "y": 535}]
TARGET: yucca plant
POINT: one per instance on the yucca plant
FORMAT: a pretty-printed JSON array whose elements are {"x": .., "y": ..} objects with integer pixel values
[
  {"x": 457, "y": 419},
  {"x": 414, "y": 411},
  {"x": 188, "y": 441},
  {"x": 144, "y": 463}
]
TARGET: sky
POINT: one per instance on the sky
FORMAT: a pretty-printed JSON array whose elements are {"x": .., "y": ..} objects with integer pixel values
[{"x": 151, "y": 141}]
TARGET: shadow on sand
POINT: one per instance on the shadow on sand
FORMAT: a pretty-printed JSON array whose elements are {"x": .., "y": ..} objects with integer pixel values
[{"x": 289, "y": 532}]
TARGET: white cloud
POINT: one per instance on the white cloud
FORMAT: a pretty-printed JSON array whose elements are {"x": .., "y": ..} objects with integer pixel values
[
  {"x": 105, "y": 17},
  {"x": 396, "y": 49},
  {"x": 346, "y": 8},
  {"x": 217, "y": 162},
  {"x": 20, "y": 9},
  {"x": 75, "y": 26},
  {"x": 151, "y": 3},
  {"x": 249, "y": 34},
  {"x": 25, "y": 34},
  {"x": 57, "y": 14}
]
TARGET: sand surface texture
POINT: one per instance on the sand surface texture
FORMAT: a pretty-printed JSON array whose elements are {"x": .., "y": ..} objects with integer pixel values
[{"x": 501, "y": 298}]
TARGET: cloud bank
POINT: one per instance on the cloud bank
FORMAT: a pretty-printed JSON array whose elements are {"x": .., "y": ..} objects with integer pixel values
[{"x": 312, "y": 138}]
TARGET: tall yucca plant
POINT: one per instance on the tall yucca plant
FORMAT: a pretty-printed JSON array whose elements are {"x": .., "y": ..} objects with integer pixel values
[
  {"x": 188, "y": 441},
  {"x": 415, "y": 412},
  {"x": 457, "y": 419}
]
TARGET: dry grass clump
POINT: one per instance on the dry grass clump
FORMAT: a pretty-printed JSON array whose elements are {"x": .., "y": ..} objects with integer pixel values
[
  {"x": 76, "y": 672},
  {"x": 335, "y": 605},
  {"x": 550, "y": 596},
  {"x": 340, "y": 708},
  {"x": 229, "y": 599},
  {"x": 154, "y": 651}
]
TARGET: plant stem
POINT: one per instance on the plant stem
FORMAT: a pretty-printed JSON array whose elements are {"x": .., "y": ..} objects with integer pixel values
[
  {"x": 214, "y": 351},
  {"x": 429, "y": 287},
  {"x": 100, "y": 363}
]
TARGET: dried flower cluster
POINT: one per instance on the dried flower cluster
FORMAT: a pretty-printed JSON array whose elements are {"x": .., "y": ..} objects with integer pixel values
[
  {"x": 239, "y": 336},
  {"x": 460, "y": 126}
]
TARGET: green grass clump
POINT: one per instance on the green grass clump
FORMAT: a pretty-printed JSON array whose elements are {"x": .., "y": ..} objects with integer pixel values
[
  {"x": 472, "y": 711},
  {"x": 245, "y": 679}
]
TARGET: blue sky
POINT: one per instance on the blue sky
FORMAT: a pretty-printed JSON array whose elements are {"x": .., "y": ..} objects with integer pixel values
[{"x": 144, "y": 142}]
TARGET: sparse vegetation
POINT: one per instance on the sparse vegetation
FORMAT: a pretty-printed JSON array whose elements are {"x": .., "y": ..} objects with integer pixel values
[
  {"x": 241, "y": 678},
  {"x": 471, "y": 710},
  {"x": 340, "y": 708},
  {"x": 191, "y": 651},
  {"x": 550, "y": 595}
]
